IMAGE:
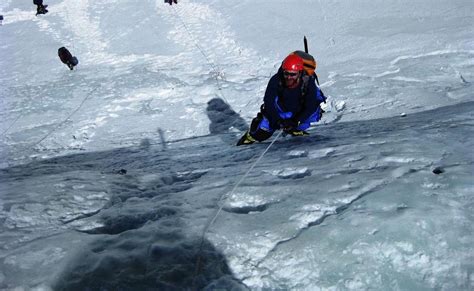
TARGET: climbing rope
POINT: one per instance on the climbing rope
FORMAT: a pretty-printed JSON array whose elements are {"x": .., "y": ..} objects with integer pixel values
[
  {"x": 11, "y": 125},
  {"x": 67, "y": 118},
  {"x": 241, "y": 180},
  {"x": 222, "y": 199},
  {"x": 213, "y": 66}
]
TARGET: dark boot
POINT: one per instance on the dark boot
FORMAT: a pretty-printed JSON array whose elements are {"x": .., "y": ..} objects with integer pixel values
[
  {"x": 254, "y": 133},
  {"x": 261, "y": 135}
]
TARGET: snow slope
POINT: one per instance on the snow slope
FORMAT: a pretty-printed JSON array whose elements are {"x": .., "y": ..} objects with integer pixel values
[{"x": 123, "y": 174}]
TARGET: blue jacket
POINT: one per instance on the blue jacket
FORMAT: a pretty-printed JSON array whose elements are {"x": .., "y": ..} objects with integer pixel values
[{"x": 283, "y": 103}]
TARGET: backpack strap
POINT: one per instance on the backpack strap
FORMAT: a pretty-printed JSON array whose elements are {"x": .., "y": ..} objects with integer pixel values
[
  {"x": 304, "y": 87},
  {"x": 317, "y": 80}
]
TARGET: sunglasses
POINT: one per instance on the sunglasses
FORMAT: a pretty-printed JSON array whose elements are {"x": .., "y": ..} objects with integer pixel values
[{"x": 290, "y": 74}]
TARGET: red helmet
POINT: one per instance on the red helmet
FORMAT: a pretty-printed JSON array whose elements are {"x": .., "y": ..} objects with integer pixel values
[{"x": 292, "y": 63}]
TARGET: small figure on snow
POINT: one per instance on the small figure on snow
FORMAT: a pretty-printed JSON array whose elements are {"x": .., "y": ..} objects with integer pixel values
[
  {"x": 171, "y": 1},
  {"x": 40, "y": 8},
  {"x": 292, "y": 101},
  {"x": 1, "y": 19},
  {"x": 67, "y": 58}
]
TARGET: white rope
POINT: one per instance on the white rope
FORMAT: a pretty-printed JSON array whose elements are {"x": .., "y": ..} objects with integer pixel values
[
  {"x": 222, "y": 199},
  {"x": 241, "y": 180},
  {"x": 11, "y": 125},
  {"x": 216, "y": 71},
  {"x": 213, "y": 66},
  {"x": 67, "y": 118}
]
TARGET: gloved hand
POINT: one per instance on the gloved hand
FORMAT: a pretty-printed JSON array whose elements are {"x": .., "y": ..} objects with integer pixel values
[{"x": 289, "y": 124}]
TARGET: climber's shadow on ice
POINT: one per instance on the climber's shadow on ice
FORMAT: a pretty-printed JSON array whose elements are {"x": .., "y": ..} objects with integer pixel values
[
  {"x": 171, "y": 261},
  {"x": 141, "y": 240},
  {"x": 224, "y": 120}
]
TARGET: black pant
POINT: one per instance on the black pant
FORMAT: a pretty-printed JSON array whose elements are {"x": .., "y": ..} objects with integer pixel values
[{"x": 258, "y": 133}]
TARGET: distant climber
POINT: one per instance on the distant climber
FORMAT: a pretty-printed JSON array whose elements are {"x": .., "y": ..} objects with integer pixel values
[
  {"x": 67, "y": 58},
  {"x": 171, "y": 1},
  {"x": 40, "y": 8},
  {"x": 1, "y": 19}
]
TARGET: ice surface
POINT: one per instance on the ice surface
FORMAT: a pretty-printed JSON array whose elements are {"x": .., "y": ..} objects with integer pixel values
[{"x": 110, "y": 174}]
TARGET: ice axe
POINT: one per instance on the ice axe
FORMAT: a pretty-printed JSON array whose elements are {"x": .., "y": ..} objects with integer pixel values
[{"x": 305, "y": 44}]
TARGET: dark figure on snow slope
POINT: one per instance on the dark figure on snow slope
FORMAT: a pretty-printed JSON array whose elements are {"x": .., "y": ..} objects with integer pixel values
[
  {"x": 40, "y": 8},
  {"x": 67, "y": 58},
  {"x": 292, "y": 101},
  {"x": 171, "y": 1}
]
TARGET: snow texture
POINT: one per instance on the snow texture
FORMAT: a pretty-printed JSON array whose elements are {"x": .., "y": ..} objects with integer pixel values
[{"x": 123, "y": 174}]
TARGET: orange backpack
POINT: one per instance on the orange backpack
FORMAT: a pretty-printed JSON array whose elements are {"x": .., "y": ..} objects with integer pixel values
[{"x": 309, "y": 65}]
